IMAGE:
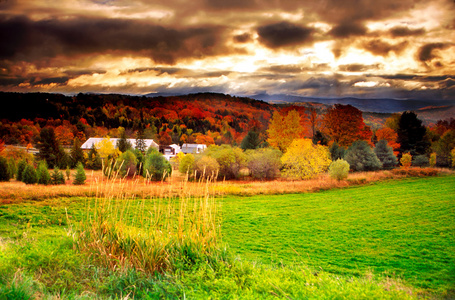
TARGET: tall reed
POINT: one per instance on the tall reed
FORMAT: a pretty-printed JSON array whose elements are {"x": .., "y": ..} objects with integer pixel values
[{"x": 148, "y": 232}]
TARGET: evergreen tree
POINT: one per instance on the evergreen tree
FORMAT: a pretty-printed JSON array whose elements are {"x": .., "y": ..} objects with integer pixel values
[
  {"x": 20, "y": 169},
  {"x": 43, "y": 173},
  {"x": 250, "y": 141},
  {"x": 94, "y": 160},
  {"x": 140, "y": 142},
  {"x": 420, "y": 161},
  {"x": 385, "y": 154},
  {"x": 49, "y": 148},
  {"x": 123, "y": 144},
  {"x": 361, "y": 157},
  {"x": 4, "y": 170},
  {"x": 57, "y": 176},
  {"x": 79, "y": 177},
  {"x": 29, "y": 175},
  {"x": 64, "y": 160},
  {"x": 411, "y": 134},
  {"x": 336, "y": 151},
  {"x": 77, "y": 155}
]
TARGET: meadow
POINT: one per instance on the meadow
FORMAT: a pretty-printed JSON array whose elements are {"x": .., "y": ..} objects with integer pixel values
[{"x": 379, "y": 235}]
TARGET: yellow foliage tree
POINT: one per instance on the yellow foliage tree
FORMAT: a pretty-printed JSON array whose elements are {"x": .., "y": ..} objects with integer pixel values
[
  {"x": 406, "y": 160},
  {"x": 106, "y": 149},
  {"x": 283, "y": 130},
  {"x": 305, "y": 160}
]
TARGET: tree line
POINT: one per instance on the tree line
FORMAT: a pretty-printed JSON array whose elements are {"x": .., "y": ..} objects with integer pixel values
[{"x": 290, "y": 140}]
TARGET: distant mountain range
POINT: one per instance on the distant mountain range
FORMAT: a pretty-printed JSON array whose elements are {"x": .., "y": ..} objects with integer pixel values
[
  {"x": 378, "y": 105},
  {"x": 382, "y": 105}
]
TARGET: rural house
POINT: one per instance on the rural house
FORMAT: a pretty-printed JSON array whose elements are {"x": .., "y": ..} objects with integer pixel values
[
  {"x": 193, "y": 148},
  {"x": 93, "y": 141}
]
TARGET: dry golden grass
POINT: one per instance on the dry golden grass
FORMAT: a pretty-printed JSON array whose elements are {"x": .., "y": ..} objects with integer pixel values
[{"x": 13, "y": 191}]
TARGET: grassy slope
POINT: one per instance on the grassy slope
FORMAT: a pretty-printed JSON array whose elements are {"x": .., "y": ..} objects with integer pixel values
[
  {"x": 343, "y": 231},
  {"x": 404, "y": 228}
]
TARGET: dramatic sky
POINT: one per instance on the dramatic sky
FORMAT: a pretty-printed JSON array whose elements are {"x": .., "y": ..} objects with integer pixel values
[{"x": 365, "y": 48}]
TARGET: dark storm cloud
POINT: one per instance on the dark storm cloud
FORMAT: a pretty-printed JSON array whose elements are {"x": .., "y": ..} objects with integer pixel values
[
  {"x": 159, "y": 71},
  {"x": 46, "y": 81},
  {"x": 76, "y": 73},
  {"x": 348, "y": 29},
  {"x": 418, "y": 78},
  {"x": 229, "y": 4},
  {"x": 294, "y": 69},
  {"x": 426, "y": 52},
  {"x": 358, "y": 11},
  {"x": 282, "y": 69},
  {"x": 379, "y": 47},
  {"x": 358, "y": 67},
  {"x": 29, "y": 40},
  {"x": 284, "y": 34},
  {"x": 243, "y": 38},
  {"x": 401, "y": 31},
  {"x": 11, "y": 81}
]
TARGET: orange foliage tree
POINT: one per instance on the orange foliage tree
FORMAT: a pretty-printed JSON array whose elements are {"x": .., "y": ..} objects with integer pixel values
[
  {"x": 64, "y": 134},
  {"x": 284, "y": 129},
  {"x": 345, "y": 125},
  {"x": 390, "y": 136}
]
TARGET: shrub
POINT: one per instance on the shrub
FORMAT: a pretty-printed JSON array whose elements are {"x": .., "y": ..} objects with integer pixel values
[
  {"x": 432, "y": 160},
  {"x": 4, "y": 170},
  {"x": 57, "y": 176},
  {"x": 406, "y": 160},
  {"x": 206, "y": 166},
  {"x": 305, "y": 160},
  {"x": 29, "y": 175},
  {"x": 12, "y": 168},
  {"x": 339, "y": 169},
  {"x": 79, "y": 177},
  {"x": 140, "y": 160},
  {"x": 43, "y": 173},
  {"x": 230, "y": 159},
  {"x": 361, "y": 157},
  {"x": 20, "y": 169},
  {"x": 264, "y": 163},
  {"x": 452, "y": 154},
  {"x": 156, "y": 167},
  {"x": 420, "y": 161},
  {"x": 186, "y": 164},
  {"x": 385, "y": 154},
  {"x": 128, "y": 162}
]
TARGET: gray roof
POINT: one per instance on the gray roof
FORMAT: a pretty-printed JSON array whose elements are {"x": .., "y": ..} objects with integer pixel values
[{"x": 92, "y": 141}]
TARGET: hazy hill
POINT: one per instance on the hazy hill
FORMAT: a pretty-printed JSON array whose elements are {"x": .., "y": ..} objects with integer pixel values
[{"x": 381, "y": 105}]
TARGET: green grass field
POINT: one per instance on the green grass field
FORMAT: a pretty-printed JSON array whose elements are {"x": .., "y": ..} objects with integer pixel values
[
  {"x": 336, "y": 244},
  {"x": 400, "y": 228}
]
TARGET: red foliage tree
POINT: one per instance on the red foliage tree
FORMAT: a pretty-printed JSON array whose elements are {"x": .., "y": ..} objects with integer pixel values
[{"x": 345, "y": 125}]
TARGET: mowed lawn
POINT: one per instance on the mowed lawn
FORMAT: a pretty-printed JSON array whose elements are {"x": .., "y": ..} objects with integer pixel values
[{"x": 404, "y": 229}]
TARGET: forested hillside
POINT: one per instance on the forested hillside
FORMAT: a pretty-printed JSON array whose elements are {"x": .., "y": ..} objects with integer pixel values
[{"x": 204, "y": 116}]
